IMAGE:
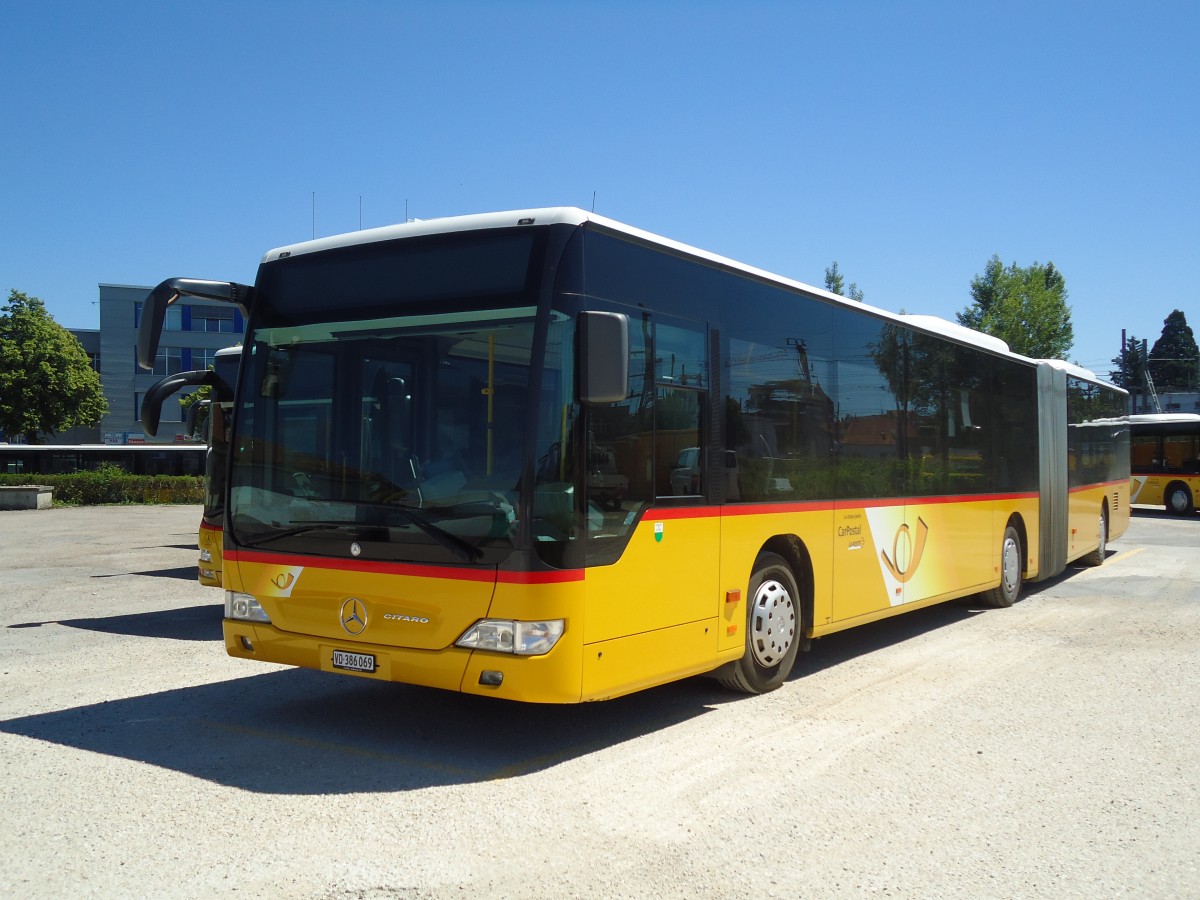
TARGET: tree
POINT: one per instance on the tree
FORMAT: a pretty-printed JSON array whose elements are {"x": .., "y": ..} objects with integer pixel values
[
  {"x": 1129, "y": 365},
  {"x": 834, "y": 283},
  {"x": 1026, "y": 307},
  {"x": 1174, "y": 356},
  {"x": 46, "y": 382}
]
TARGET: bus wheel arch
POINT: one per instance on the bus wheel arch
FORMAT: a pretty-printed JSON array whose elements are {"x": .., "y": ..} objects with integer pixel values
[
  {"x": 778, "y": 600},
  {"x": 1013, "y": 565},
  {"x": 792, "y": 549},
  {"x": 1178, "y": 499}
]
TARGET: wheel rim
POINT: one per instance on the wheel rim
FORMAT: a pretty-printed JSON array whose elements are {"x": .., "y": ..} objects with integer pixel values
[
  {"x": 1010, "y": 565},
  {"x": 1179, "y": 500},
  {"x": 1103, "y": 536},
  {"x": 772, "y": 623}
]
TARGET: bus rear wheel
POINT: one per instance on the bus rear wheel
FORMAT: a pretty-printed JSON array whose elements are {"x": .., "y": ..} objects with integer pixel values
[
  {"x": 1010, "y": 571},
  {"x": 773, "y": 629},
  {"x": 1096, "y": 557},
  {"x": 1179, "y": 499}
]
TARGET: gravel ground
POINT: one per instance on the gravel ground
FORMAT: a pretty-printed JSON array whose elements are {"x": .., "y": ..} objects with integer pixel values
[{"x": 1047, "y": 750}]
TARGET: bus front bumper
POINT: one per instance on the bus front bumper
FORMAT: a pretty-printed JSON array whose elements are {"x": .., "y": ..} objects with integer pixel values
[{"x": 553, "y": 678}]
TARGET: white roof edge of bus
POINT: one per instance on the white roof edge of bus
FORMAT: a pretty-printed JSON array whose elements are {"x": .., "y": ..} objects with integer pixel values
[
  {"x": 571, "y": 215},
  {"x": 1149, "y": 418},
  {"x": 445, "y": 225},
  {"x": 946, "y": 328},
  {"x": 1072, "y": 369}
]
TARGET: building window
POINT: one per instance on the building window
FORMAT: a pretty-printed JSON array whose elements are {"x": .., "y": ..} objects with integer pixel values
[
  {"x": 173, "y": 321},
  {"x": 169, "y": 361},
  {"x": 212, "y": 318},
  {"x": 203, "y": 358}
]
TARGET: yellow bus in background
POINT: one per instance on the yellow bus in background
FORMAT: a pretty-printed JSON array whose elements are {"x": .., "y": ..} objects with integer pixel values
[
  {"x": 1164, "y": 461},
  {"x": 219, "y": 406},
  {"x": 545, "y": 456}
]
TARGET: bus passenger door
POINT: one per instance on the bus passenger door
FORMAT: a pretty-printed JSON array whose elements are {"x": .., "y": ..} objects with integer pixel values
[{"x": 648, "y": 483}]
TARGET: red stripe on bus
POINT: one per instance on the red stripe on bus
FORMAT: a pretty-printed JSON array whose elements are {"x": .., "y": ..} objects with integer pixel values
[
  {"x": 1098, "y": 484},
  {"x": 667, "y": 513},
  {"x": 753, "y": 509},
  {"x": 561, "y": 576}
]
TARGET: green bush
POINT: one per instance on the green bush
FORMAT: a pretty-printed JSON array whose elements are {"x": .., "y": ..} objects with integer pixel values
[{"x": 112, "y": 484}]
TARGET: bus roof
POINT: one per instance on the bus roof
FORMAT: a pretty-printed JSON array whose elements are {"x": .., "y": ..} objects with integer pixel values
[
  {"x": 570, "y": 215},
  {"x": 1077, "y": 371},
  {"x": 1165, "y": 419}
]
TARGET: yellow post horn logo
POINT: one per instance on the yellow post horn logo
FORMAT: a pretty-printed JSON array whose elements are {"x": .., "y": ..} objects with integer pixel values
[{"x": 905, "y": 565}]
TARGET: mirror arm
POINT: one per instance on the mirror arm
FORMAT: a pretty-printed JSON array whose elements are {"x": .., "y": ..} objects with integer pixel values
[
  {"x": 164, "y": 388},
  {"x": 154, "y": 309}
]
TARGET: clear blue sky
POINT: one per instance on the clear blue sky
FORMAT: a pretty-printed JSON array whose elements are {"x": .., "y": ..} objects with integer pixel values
[{"x": 908, "y": 141}]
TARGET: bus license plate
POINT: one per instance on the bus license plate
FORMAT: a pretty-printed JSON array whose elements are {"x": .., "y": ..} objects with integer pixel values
[{"x": 355, "y": 662}]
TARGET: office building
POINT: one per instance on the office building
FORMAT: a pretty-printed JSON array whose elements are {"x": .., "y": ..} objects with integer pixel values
[{"x": 193, "y": 332}]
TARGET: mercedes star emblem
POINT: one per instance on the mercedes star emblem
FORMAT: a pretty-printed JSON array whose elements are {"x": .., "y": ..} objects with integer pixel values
[{"x": 354, "y": 616}]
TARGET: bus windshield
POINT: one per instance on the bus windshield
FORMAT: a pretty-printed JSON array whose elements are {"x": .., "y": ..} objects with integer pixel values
[{"x": 400, "y": 435}]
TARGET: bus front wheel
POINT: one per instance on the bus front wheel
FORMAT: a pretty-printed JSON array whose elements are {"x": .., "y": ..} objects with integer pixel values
[
  {"x": 773, "y": 629},
  {"x": 1179, "y": 499},
  {"x": 1010, "y": 571}
]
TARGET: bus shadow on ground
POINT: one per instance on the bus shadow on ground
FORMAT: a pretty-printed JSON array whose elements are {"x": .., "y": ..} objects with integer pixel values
[
  {"x": 193, "y": 623},
  {"x": 842, "y": 646},
  {"x": 183, "y": 573},
  {"x": 861, "y": 640},
  {"x": 1157, "y": 512},
  {"x": 302, "y": 732}
]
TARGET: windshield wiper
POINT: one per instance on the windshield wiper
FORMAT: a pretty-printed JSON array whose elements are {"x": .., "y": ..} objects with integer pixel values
[
  {"x": 451, "y": 542},
  {"x": 257, "y": 541}
]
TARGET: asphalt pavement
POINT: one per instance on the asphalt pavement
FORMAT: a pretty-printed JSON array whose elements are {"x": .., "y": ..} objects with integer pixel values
[{"x": 1047, "y": 750}]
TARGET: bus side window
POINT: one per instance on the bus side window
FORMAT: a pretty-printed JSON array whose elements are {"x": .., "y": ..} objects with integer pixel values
[{"x": 681, "y": 381}]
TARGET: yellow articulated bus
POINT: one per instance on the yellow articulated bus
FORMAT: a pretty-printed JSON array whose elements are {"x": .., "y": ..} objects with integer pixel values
[
  {"x": 462, "y": 457},
  {"x": 220, "y": 378},
  {"x": 1164, "y": 461}
]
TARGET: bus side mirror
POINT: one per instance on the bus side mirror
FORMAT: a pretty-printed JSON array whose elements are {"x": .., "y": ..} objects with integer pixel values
[
  {"x": 604, "y": 351},
  {"x": 154, "y": 309},
  {"x": 164, "y": 388}
]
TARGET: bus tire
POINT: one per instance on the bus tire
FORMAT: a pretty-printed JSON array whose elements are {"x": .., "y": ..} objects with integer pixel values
[
  {"x": 1096, "y": 557},
  {"x": 1179, "y": 499},
  {"x": 774, "y": 629},
  {"x": 1009, "y": 588}
]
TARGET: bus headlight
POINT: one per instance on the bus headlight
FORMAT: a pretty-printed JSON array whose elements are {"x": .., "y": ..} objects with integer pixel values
[
  {"x": 244, "y": 607},
  {"x": 205, "y": 555},
  {"x": 509, "y": 636}
]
